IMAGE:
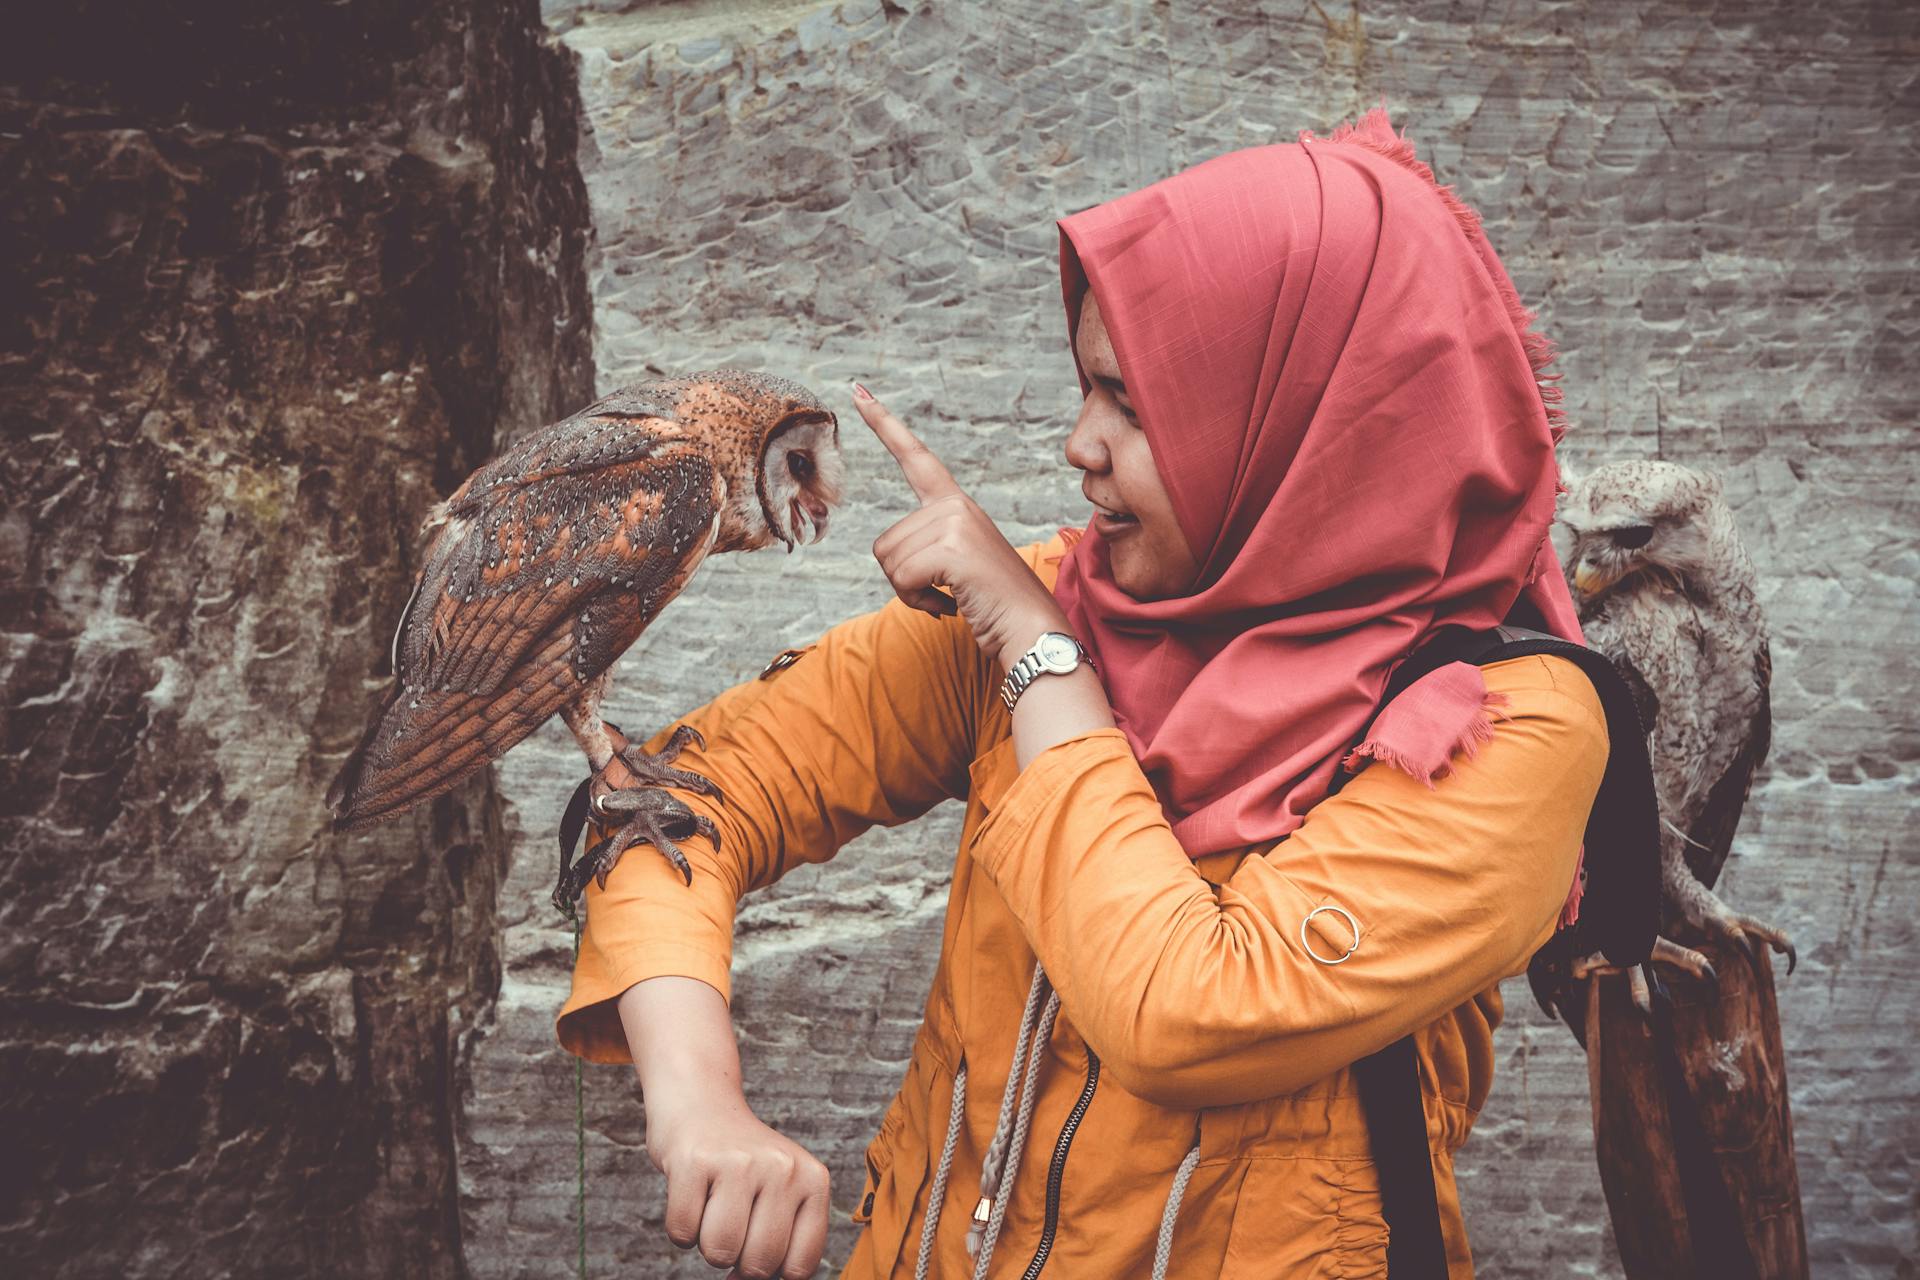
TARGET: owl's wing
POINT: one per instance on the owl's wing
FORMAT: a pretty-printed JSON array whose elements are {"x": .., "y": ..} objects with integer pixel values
[
  {"x": 622, "y": 427},
  {"x": 534, "y": 584},
  {"x": 1711, "y": 835}
]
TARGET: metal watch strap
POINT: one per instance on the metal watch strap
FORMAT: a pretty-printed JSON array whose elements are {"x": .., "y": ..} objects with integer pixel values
[
  {"x": 1019, "y": 676},
  {"x": 1030, "y": 668}
]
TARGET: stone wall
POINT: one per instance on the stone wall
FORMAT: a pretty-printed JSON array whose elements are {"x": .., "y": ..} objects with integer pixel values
[
  {"x": 276, "y": 274},
  {"x": 1712, "y": 207}
]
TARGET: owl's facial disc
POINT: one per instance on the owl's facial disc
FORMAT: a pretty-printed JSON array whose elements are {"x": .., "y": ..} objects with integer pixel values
[{"x": 804, "y": 478}]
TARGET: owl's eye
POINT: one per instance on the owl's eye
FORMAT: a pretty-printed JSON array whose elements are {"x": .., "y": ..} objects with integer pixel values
[
  {"x": 800, "y": 463},
  {"x": 1633, "y": 535}
]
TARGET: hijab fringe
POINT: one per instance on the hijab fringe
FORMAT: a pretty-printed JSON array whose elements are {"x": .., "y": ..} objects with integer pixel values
[
  {"x": 1374, "y": 131},
  {"x": 1384, "y": 743}
]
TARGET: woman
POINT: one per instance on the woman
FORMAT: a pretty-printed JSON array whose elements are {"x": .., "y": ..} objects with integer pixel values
[{"x": 1313, "y": 433}]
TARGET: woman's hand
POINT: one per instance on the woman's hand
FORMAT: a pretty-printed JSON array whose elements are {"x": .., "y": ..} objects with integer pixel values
[
  {"x": 950, "y": 542},
  {"x": 749, "y": 1198}
]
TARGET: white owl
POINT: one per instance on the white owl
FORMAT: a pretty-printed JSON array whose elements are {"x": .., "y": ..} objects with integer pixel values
[{"x": 1666, "y": 591}]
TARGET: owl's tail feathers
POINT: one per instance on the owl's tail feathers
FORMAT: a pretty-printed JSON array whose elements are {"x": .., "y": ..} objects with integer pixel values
[{"x": 425, "y": 744}]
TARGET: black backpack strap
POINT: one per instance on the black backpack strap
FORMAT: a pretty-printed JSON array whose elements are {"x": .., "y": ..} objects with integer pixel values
[
  {"x": 1620, "y": 913},
  {"x": 1390, "y": 1097},
  {"x": 1618, "y": 916}
]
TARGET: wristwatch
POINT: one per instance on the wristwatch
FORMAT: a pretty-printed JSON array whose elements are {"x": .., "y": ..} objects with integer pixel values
[{"x": 1055, "y": 653}]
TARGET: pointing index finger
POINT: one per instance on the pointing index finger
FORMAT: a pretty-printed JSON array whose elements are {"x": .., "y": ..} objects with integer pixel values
[{"x": 926, "y": 474}]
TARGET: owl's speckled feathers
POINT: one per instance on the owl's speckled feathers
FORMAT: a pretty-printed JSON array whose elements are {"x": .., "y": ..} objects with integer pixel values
[{"x": 551, "y": 560}]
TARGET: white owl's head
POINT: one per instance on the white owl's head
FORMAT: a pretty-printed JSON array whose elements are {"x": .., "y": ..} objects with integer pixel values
[
  {"x": 803, "y": 478},
  {"x": 777, "y": 449},
  {"x": 1659, "y": 519}
]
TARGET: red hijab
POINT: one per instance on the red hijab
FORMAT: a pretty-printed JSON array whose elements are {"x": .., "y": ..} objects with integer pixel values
[{"x": 1343, "y": 397}]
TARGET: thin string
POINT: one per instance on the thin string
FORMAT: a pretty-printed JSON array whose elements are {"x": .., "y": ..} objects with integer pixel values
[{"x": 580, "y": 1118}]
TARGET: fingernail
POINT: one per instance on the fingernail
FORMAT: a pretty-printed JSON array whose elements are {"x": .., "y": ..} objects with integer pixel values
[{"x": 861, "y": 393}]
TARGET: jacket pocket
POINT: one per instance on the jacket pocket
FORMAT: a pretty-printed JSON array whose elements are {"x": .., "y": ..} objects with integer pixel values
[
  {"x": 1304, "y": 1217},
  {"x": 896, "y": 1172}
]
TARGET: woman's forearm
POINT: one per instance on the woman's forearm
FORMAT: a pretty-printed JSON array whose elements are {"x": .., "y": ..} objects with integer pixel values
[
  {"x": 681, "y": 1038},
  {"x": 1054, "y": 709}
]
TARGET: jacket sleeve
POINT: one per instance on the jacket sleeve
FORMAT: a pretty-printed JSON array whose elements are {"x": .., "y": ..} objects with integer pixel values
[
  {"x": 1196, "y": 995},
  {"x": 872, "y": 726}
]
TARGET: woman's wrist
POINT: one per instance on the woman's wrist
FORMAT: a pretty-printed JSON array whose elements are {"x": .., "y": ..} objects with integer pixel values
[{"x": 1020, "y": 632}]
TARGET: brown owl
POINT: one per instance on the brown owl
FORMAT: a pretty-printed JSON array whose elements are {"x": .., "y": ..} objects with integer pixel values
[{"x": 550, "y": 561}]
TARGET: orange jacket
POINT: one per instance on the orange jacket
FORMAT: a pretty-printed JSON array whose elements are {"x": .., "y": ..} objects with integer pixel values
[{"x": 1188, "y": 980}]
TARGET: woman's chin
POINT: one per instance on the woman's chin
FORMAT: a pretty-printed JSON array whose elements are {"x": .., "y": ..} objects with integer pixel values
[
  {"x": 1131, "y": 576},
  {"x": 1146, "y": 576}
]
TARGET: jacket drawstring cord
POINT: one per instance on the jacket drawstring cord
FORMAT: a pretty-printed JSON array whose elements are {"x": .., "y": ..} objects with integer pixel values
[
  {"x": 1023, "y": 1120},
  {"x": 1009, "y": 1132},
  {"x": 1163, "y": 1248},
  {"x": 1009, "y": 1141},
  {"x": 938, "y": 1196}
]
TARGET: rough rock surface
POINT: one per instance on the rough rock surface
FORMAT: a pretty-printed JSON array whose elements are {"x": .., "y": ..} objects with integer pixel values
[
  {"x": 275, "y": 276},
  {"x": 1711, "y": 206}
]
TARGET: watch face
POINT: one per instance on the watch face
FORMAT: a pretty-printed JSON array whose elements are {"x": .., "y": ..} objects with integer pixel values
[{"x": 1058, "y": 653}]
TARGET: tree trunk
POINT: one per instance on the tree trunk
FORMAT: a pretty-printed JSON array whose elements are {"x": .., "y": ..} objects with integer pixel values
[{"x": 277, "y": 274}]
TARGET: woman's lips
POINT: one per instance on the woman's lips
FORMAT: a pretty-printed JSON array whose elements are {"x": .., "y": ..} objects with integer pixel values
[{"x": 1112, "y": 524}]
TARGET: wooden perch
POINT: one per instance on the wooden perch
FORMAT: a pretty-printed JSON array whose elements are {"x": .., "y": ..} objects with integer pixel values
[{"x": 1736, "y": 1210}]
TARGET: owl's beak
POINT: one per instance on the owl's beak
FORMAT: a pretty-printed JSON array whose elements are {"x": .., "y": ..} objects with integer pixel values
[
  {"x": 800, "y": 511},
  {"x": 1589, "y": 581},
  {"x": 820, "y": 512}
]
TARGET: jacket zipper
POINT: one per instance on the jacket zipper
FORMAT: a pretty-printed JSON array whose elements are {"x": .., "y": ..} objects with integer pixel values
[{"x": 1057, "y": 1171}]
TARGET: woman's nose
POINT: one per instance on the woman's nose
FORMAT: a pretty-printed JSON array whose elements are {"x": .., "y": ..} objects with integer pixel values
[{"x": 1085, "y": 447}]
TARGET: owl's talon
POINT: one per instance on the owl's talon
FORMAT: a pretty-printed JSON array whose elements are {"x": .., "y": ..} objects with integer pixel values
[
  {"x": 1746, "y": 929},
  {"x": 1592, "y": 965},
  {"x": 1666, "y": 951},
  {"x": 1638, "y": 985},
  {"x": 1641, "y": 980},
  {"x": 1714, "y": 917},
  {"x": 654, "y": 817},
  {"x": 681, "y": 736},
  {"x": 656, "y": 768},
  {"x": 573, "y": 879}
]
